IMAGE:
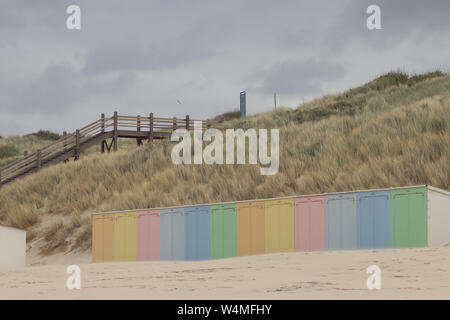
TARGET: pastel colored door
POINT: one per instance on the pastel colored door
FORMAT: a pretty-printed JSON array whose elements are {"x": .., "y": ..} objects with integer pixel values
[
  {"x": 341, "y": 221},
  {"x": 279, "y": 225},
  {"x": 148, "y": 235},
  {"x": 196, "y": 233},
  {"x": 125, "y": 236},
  {"x": 172, "y": 234},
  {"x": 310, "y": 223},
  {"x": 374, "y": 219},
  {"x": 250, "y": 228},
  {"x": 102, "y": 238},
  {"x": 223, "y": 231},
  {"x": 409, "y": 217}
]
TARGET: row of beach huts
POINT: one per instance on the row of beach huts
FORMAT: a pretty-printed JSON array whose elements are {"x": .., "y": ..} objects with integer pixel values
[{"x": 404, "y": 217}]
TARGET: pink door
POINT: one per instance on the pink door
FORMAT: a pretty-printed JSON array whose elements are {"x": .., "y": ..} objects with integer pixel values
[
  {"x": 148, "y": 235},
  {"x": 310, "y": 223}
]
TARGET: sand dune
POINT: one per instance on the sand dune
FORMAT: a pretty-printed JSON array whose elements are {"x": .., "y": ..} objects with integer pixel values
[{"x": 406, "y": 274}]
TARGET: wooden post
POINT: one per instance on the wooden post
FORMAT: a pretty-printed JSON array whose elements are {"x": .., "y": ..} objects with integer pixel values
[
  {"x": 187, "y": 122},
  {"x": 150, "y": 134},
  {"x": 174, "y": 124},
  {"x": 65, "y": 144},
  {"x": 77, "y": 145},
  {"x": 38, "y": 160},
  {"x": 64, "y": 140},
  {"x": 103, "y": 131},
  {"x": 116, "y": 135},
  {"x": 138, "y": 140}
]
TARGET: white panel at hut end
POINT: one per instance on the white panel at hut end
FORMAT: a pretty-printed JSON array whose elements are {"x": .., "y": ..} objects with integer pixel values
[
  {"x": 12, "y": 247},
  {"x": 438, "y": 217}
]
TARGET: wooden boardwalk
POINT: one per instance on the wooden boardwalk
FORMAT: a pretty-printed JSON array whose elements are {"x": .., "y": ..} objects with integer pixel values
[{"x": 99, "y": 132}]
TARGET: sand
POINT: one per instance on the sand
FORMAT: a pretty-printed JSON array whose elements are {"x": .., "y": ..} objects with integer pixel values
[{"x": 405, "y": 274}]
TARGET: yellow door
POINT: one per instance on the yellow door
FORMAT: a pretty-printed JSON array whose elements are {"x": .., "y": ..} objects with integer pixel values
[
  {"x": 132, "y": 238},
  {"x": 250, "y": 228},
  {"x": 125, "y": 236},
  {"x": 279, "y": 225}
]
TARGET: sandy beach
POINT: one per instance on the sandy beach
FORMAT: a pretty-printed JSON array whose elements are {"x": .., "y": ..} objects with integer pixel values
[{"x": 405, "y": 274}]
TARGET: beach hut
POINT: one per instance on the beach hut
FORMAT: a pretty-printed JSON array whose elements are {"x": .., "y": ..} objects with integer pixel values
[{"x": 12, "y": 247}]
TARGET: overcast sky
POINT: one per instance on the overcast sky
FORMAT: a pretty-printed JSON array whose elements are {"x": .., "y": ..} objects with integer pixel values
[{"x": 193, "y": 57}]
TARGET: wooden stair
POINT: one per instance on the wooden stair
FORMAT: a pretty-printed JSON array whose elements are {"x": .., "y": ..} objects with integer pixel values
[{"x": 98, "y": 132}]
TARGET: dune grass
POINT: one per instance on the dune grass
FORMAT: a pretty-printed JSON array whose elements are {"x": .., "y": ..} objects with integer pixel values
[
  {"x": 385, "y": 136},
  {"x": 13, "y": 147}
]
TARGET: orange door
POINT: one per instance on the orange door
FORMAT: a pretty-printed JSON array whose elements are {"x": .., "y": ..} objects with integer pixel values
[
  {"x": 97, "y": 238},
  {"x": 108, "y": 237},
  {"x": 250, "y": 228},
  {"x": 102, "y": 237}
]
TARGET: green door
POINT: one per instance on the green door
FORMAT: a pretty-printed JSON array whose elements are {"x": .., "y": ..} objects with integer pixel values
[
  {"x": 409, "y": 217},
  {"x": 223, "y": 231}
]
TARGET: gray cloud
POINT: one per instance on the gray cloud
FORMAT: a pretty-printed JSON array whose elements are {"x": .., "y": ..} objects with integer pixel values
[
  {"x": 141, "y": 56},
  {"x": 57, "y": 89},
  {"x": 134, "y": 55},
  {"x": 299, "y": 77}
]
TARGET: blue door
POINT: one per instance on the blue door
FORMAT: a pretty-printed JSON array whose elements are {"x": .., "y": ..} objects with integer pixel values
[
  {"x": 172, "y": 234},
  {"x": 374, "y": 219},
  {"x": 196, "y": 233},
  {"x": 341, "y": 222}
]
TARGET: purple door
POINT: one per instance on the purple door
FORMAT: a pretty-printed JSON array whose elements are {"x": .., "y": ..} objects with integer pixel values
[
  {"x": 310, "y": 223},
  {"x": 148, "y": 235}
]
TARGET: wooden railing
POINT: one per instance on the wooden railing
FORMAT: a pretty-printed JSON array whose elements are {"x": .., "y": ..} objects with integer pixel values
[{"x": 140, "y": 127}]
